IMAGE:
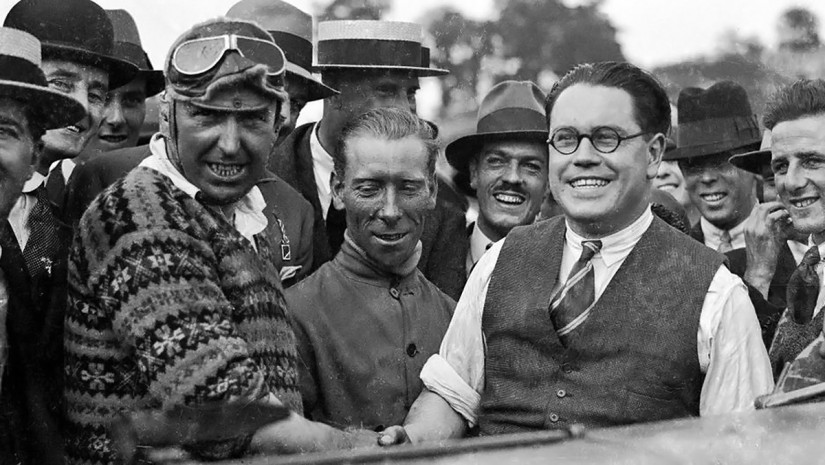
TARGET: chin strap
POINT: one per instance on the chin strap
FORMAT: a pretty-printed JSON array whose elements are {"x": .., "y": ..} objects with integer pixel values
[{"x": 169, "y": 130}]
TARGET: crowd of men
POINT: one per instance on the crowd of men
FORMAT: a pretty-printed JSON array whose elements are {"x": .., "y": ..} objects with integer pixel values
[{"x": 588, "y": 264}]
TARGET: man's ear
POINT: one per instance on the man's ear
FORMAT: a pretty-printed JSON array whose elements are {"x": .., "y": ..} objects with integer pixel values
[
  {"x": 37, "y": 154},
  {"x": 472, "y": 166},
  {"x": 433, "y": 191},
  {"x": 655, "y": 151},
  {"x": 336, "y": 186}
]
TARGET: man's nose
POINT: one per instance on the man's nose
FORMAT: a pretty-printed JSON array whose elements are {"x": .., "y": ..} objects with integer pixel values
[
  {"x": 113, "y": 113},
  {"x": 390, "y": 211},
  {"x": 511, "y": 173},
  {"x": 229, "y": 141},
  {"x": 585, "y": 154}
]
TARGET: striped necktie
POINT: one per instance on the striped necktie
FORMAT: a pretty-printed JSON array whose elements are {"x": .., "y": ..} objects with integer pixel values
[
  {"x": 571, "y": 303},
  {"x": 725, "y": 242},
  {"x": 803, "y": 287},
  {"x": 43, "y": 243}
]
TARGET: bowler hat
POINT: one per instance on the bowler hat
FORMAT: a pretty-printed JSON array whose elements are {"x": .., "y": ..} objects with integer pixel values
[
  {"x": 128, "y": 47},
  {"x": 511, "y": 110},
  {"x": 754, "y": 162},
  {"x": 370, "y": 44},
  {"x": 22, "y": 79},
  {"x": 292, "y": 30},
  {"x": 713, "y": 120},
  {"x": 75, "y": 30}
]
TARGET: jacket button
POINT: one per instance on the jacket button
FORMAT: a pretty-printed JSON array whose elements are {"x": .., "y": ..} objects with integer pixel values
[
  {"x": 554, "y": 418},
  {"x": 394, "y": 293},
  {"x": 412, "y": 350},
  {"x": 567, "y": 368},
  {"x": 561, "y": 393}
]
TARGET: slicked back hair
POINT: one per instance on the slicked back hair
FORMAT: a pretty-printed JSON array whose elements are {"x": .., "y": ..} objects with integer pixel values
[
  {"x": 387, "y": 124},
  {"x": 805, "y": 97},
  {"x": 651, "y": 106}
]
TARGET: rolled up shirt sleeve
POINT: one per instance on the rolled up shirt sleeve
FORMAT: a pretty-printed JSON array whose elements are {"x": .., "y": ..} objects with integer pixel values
[
  {"x": 731, "y": 352},
  {"x": 456, "y": 373}
]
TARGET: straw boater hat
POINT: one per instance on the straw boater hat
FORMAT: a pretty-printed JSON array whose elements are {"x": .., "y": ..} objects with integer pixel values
[
  {"x": 369, "y": 44},
  {"x": 292, "y": 30},
  {"x": 128, "y": 47},
  {"x": 712, "y": 121},
  {"x": 753, "y": 162},
  {"x": 75, "y": 30},
  {"x": 22, "y": 79},
  {"x": 511, "y": 110}
]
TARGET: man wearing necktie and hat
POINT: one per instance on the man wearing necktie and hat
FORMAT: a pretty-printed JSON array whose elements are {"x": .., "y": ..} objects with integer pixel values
[
  {"x": 565, "y": 321},
  {"x": 174, "y": 299},
  {"x": 715, "y": 124},
  {"x": 796, "y": 117},
  {"x": 30, "y": 413},
  {"x": 372, "y": 64},
  {"x": 506, "y": 162}
]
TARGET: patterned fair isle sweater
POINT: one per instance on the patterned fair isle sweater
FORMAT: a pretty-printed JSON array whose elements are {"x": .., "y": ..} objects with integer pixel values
[{"x": 168, "y": 305}]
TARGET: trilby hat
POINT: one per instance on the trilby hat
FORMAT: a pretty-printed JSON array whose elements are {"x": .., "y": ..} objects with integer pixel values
[
  {"x": 753, "y": 162},
  {"x": 22, "y": 79},
  {"x": 713, "y": 120},
  {"x": 75, "y": 30},
  {"x": 511, "y": 110},
  {"x": 292, "y": 30},
  {"x": 370, "y": 44},
  {"x": 128, "y": 47}
]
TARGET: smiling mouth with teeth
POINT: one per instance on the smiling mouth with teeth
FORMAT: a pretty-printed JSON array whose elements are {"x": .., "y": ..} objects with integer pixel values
[
  {"x": 225, "y": 170},
  {"x": 589, "y": 183},
  {"x": 713, "y": 197},
  {"x": 803, "y": 202},
  {"x": 509, "y": 199},
  {"x": 74, "y": 128},
  {"x": 391, "y": 237}
]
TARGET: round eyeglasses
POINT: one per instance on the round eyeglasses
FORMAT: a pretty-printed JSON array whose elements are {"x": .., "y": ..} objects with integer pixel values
[{"x": 604, "y": 139}]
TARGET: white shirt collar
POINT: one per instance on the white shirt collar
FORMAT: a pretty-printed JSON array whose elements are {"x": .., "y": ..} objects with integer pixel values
[
  {"x": 249, "y": 217},
  {"x": 713, "y": 235},
  {"x": 33, "y": 183},
  {"x": 322, "y": 166},
  {"x": 479, "y": 243},
  {"x": 618, "y": 245}
]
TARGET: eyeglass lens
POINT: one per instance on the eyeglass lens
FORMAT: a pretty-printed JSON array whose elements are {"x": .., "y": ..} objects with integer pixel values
[{"x": 603, "y": 139}]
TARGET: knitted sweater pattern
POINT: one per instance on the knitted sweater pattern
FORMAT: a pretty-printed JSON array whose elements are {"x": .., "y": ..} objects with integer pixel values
[{"x": 168, "y": 305}]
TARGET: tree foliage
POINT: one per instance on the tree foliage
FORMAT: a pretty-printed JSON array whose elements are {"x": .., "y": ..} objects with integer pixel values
[
  {"x": 355, "y": 9},
  {"x": 798, "y": 30}
]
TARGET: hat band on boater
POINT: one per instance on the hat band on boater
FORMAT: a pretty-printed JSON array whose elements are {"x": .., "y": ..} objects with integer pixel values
[
  {"x": 21, "y": 70},
  {"x": 714, "y": 130},
  {"x": 298, "y": 50},
  {"x": 369, "y": 52},
  {"x": 512, "y": 119}
]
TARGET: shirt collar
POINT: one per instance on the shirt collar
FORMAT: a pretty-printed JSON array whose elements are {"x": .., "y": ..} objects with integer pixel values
[
  {"x": 616, "y": 246},
  {"x": 319, "y": 153},
  {"x": 35, "y": 181},
  {"x": 713, "y": 235},
  {"x": 479, "y": 243},
  {"x": 249, "y": 218}
]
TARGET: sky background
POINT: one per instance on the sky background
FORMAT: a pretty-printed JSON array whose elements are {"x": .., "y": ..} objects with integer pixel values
[{"x": 651, "y": 32}]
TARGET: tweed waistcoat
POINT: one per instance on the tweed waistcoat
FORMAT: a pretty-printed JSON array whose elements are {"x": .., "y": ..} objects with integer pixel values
[
  {"x": 633, "y": 360},
  {"x": 791, "y": 339}
]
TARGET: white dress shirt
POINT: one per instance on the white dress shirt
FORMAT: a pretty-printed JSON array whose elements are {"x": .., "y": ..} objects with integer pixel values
[
  {"x": 713, "y": 235},
  {"x": 820, "y": 271},
  {"x": 798, "y": 250},
  {"x": 22, "y": 208},
  {"x": 729, "y": 341},
  {"x": 479, "y": 243},
  {"x": 247, "y": 213},
  {"x": 322, "y": 166}
]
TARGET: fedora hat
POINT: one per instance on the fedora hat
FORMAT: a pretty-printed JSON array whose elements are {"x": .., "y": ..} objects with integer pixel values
[
  {"x": 370, "y": 44},
  {"x": 128, "y": 47},
  {"x": 713, "y": 120},
  {"x": 753, "y": 162},
  {"x": 511, "y": 110},
  {"x": 22, "y": 79},
  {"x": 75, "y": 30},
  {"x": 292, "y": 30}
]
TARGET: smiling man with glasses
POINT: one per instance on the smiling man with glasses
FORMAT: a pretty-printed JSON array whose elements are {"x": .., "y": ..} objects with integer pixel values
[{"x": 604, "y": 316}]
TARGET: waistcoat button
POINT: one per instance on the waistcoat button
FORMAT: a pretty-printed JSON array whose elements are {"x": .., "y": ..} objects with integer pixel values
[
  {"x": 554, "y": 418},
  {"x": 561, "y": 393},
  {"x": 394, "y": 293},
  {"x": 412, "y": 350}
]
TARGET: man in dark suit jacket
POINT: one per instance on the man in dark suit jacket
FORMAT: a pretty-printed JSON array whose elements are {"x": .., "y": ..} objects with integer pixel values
[
  {"x": 362, "y": 67},
  {"x": 32, "y": 298}
]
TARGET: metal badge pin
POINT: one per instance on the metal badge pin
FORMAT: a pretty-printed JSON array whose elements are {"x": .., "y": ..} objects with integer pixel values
[{"x": 286, "y": 251}]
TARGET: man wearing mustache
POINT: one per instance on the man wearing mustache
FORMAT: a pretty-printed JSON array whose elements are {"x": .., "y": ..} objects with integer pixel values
[{"x": 507, "y": 163}]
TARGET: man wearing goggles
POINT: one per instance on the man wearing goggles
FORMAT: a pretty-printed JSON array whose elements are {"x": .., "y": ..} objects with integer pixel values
[{"x": 174, "y": 298}]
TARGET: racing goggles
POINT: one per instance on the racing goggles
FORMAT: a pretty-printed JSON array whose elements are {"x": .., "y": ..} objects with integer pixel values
[{"x": 197, "y": 56}]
